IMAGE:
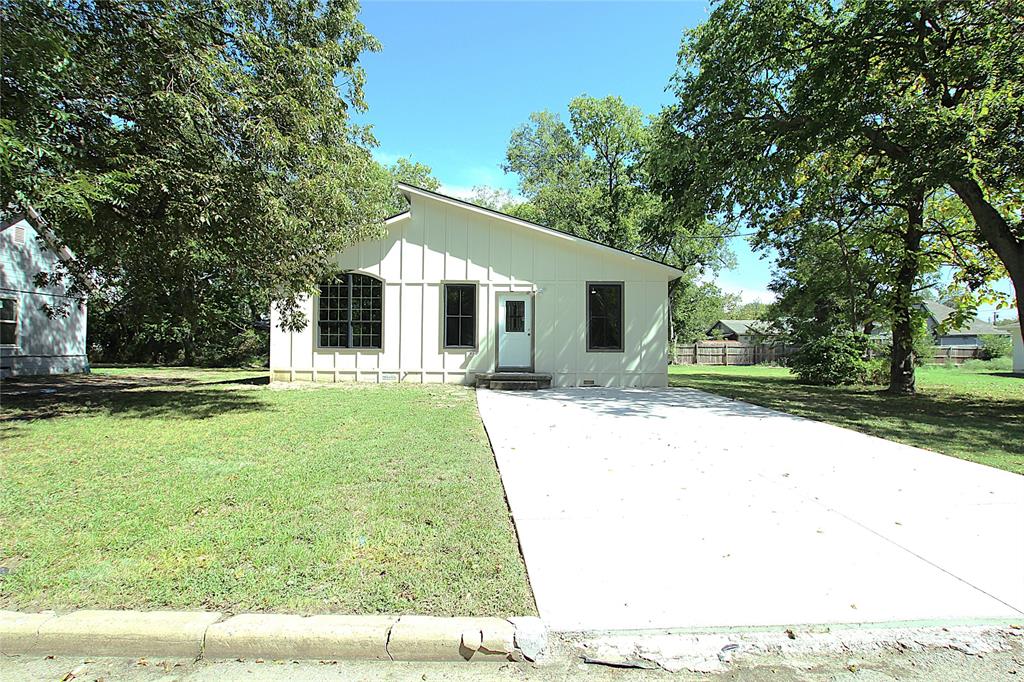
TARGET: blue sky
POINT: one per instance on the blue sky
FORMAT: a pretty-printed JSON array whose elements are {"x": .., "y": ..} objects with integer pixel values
[{"x": 454, "y": 79}]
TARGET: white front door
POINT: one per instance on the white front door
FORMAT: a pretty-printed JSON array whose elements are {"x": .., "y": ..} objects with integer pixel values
[{"x": 515, "y": 331}]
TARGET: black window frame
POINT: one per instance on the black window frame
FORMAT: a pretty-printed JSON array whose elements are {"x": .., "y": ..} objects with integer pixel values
[
  {"x": 353, "y": 311},
  {"x": 463, "y": 318},
  {"x": 621, "y": 347}
]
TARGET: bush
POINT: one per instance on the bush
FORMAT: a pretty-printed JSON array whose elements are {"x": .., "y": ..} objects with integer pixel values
[
  {"x": 876, "y": 371},
  {"x": 831, "y": 359},
  {"x": 1003, "y": 364},
  {"x": 994, "y": 346}
]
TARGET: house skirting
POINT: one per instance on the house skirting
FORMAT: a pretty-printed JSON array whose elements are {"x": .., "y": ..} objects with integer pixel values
[{"x": 561, "y": 379}]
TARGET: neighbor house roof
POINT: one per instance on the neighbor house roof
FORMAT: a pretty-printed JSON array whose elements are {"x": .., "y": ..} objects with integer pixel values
[
  {"x": 974, "y": 327},
  {"x": 737, "y": 326},
  {"x": 589, "y": 243}
]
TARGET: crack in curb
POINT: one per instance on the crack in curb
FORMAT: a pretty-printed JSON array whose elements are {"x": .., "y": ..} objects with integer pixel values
[
  {"x": 202, "y": 640},
  {"x": 387, "y": 640}
]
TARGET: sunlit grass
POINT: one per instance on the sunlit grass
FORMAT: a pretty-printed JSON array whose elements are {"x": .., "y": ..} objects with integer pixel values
[
  {"x": 195, "y": 489},
  {"x": 974, "y": 412}
]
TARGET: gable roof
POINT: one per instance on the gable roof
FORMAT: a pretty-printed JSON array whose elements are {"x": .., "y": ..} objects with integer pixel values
[
  {"x": 740, "y": 326},
  {"x": 40, "y": 227},
  {"x": 583, "y": 241},
  {"x": 974, "y": 327}
]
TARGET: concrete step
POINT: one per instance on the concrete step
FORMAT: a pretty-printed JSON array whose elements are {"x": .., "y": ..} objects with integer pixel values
[
  {"x": 514, "y": 385},
  {"x": 513, "y": 381}
]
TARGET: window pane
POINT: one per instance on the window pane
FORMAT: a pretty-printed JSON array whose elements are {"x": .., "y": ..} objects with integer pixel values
[
  {"x": 604, "y": 308},
  {"x": 468, "y": 331},
  {"x": 515, "y": 316},
  {"x": 459, "y": 315},
  {"x": 452, "y": 300},
  {"x": 468, "y": 299},
  {"x": 8, "y": 336},
  {"x": 351, "y": 312},
  {"x": 451, "y": 331},
  {"x": 7, "y": 308}
]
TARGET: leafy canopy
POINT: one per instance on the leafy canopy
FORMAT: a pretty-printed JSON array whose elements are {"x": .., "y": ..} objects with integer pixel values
[
  {"x": 932, "y": 89},
  {"x": 195, "y": 155}
]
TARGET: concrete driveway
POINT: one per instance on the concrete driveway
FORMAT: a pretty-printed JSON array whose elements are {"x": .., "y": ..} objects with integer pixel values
[{"x": 674, "y": 508}]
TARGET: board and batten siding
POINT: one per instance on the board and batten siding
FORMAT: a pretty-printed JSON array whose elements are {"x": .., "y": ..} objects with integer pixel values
[
  {"x": 44, "y": 345},
  {"x": 445, "y": 243}
]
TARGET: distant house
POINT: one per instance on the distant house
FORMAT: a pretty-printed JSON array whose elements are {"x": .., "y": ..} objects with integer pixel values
[
  {"x": 30, "y": 341},
  {"x": 743, "y": 331},
  {"x": 965, "y": 335},
  {"x": 1018, "y": 349}
]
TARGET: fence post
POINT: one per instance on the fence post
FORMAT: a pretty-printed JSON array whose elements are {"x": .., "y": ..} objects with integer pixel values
[{"x": 725, "y": 355}]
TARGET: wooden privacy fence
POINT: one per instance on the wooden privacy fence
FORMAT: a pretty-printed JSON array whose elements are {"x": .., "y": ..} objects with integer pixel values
[
  {"x": 730, "y": 353},
  {"x": 954, "y": 354}
]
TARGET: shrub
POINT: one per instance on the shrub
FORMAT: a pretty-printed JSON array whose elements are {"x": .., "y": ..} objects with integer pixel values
[
  {"x": 876, "y": 371},
  {"x": 831, "y": 359},
  {"x": 994, "y": 346}
]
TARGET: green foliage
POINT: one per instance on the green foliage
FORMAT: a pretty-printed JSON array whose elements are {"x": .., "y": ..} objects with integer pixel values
[
  {"x": 412, "y": 173},
  {"x": 591, "y": 177},
  {"x": 876, "y": 371},
  {"x": 695, "y": 307},
  {"x": 1000, "y": 364},
  {"x": 995, "y": 346},
  {"x": 831, "y": 358},
  {"x": 198, "y": 157},
  {"x": 894, "y": 98},
  {"x": 755, "y": 310}
]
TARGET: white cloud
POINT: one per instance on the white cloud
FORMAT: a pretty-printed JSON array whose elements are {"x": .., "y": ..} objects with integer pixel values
[{"x": 386, "y": 158}]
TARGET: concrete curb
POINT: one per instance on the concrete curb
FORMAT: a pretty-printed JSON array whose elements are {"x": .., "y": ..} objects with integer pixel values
[{"x": 202, "y": 634}]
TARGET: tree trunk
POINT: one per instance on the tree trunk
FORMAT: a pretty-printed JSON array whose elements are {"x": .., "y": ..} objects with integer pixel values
[
  {"x": 901, "y": 368},
  {"x": 997, "y": 233}
]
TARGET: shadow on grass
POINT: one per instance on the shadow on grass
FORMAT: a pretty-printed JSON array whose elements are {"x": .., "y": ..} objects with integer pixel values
[
  {"x": 30, "y": 398},
  {"x": 936, "y": 419},
  {"x": 245, "y": 381}
]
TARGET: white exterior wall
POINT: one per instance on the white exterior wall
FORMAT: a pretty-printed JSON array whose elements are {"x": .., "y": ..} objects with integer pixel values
[
  {"x": 1018, "y": 349},
  {"x": 44, "y": 345},
  {"x": 441, "y": 243}
]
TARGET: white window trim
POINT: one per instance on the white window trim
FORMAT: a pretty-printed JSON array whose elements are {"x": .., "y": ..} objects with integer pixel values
[{"x": 16, "y": 321}]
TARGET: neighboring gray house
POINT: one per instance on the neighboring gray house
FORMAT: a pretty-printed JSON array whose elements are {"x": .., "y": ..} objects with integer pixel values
[
  {"x": 30, "y": 341},
  {"x": 966, "y": 335},
  {"x": 743, "y": 331}
]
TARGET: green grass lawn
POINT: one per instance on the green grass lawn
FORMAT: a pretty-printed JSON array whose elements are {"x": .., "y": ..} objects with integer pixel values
[
  {"x": 970, "y": 412},
  {"x": 209, "y": 489}
]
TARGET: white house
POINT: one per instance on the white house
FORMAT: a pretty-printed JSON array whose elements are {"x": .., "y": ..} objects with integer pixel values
[
  {"x": 454, "y": 290},
  {"x": 1018, "y": 349},
  {"x": 31, "y": 342}
]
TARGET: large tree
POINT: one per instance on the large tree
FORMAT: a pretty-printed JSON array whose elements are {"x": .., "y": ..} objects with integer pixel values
[
  {"x": 193, "y": 154},
  {"x": 932, "y": 88}
]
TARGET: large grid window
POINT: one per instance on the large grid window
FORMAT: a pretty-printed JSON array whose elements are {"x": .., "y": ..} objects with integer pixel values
[
  {"x": 8, "y": 322},
  {"x": 351, "y": 312},
  {"x": 460, "y": 315},
  {"x": 604, "y": 316}
]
